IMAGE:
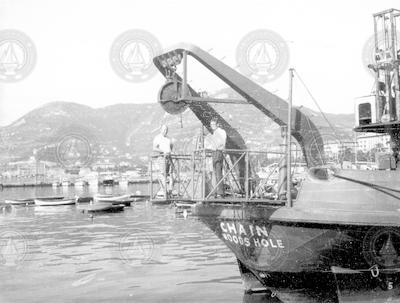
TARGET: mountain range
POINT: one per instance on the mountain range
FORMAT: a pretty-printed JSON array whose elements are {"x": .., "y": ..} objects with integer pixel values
[{"x": 127, "y": 130}]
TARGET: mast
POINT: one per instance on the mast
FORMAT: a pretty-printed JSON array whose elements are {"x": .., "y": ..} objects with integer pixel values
[{"x": 289, "y": 144}]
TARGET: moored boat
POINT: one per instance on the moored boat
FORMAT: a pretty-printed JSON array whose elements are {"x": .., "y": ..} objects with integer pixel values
[
  {"x": 54, "y": 201},
  {"x": 120, "y": 199},
  {"x": 19, "y": 201},
  {"x": 337, "y": 222},
  {"x": 102, "y": 207},
  {"x": 140, "y": 198},
  {"x": 87, "y": 199}
]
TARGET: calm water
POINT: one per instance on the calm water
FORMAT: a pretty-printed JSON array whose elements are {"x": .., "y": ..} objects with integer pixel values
[
  {"x": 147, "y": 253},
  {"x": 144, "y": 254}
]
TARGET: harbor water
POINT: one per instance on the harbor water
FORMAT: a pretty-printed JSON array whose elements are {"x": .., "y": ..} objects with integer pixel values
[{"x": 147, "y": 253}]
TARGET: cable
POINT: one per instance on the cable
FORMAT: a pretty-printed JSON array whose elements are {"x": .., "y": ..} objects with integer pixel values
[{"x": 319, "y": 108}]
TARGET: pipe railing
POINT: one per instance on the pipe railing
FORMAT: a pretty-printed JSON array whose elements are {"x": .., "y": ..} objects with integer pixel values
[{"x": 190, "y": 176}]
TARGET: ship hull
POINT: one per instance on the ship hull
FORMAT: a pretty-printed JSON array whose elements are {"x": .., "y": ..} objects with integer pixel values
[{"x": 270, "y": 250}]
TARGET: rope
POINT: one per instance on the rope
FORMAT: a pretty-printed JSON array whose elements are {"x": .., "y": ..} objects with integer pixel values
[
  {"x": 319, "y": 108},
  {"x": 377, "y": 187}
]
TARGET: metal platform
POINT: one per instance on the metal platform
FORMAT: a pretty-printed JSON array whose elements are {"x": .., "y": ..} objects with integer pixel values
[
  {"x": 191, "y": 178},
  {"x": 379, "y": 127}
]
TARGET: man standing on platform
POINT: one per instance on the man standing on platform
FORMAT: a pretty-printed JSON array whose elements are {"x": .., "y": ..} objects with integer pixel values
[
  {"x": 217, "y": 142},
  {"x": 163, "y": 145}
]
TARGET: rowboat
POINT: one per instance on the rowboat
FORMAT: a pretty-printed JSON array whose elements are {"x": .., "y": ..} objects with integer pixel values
[
  {"x": 181, "y": 206},
  {"x": 140, "y": 198},
  {"x": 122, "y": 199},
  {"x": 83, "y": 199},
  {"x": 102, "y": 207},
  {"x": 19, "y": 201},
  {"x": 53, "y": 201}
]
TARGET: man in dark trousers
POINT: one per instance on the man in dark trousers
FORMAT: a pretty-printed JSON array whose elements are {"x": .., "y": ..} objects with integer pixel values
[{"x": 218, "y": 141}]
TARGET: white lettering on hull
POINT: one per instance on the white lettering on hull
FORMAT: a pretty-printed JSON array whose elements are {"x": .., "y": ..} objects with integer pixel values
[{"x": 250, "y": 235}]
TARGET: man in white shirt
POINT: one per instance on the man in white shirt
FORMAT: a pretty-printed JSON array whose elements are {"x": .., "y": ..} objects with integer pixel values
[
  {"x": 162, "y": 145},
  {"x": 217, "y": 143}
]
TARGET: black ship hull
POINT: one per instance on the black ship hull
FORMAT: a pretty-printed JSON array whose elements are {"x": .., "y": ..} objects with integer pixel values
[{"x": 278, "y": 253}]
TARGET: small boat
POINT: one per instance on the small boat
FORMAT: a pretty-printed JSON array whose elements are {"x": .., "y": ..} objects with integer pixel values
[
  {"x": 183, "y": 207},
  {"x": 50, "y": 198},
  {"x": 140, "y": 198},
  {"x": 122, "y": 199},
  {"x": 54, "y": 201},
  {"x": 87, "y": 199},
  {"x": 108, "y": 181},
  {"x": 111, "y": 198},
  {"x": 102, "y": 207},
  {"x": 19, "y": 201}
]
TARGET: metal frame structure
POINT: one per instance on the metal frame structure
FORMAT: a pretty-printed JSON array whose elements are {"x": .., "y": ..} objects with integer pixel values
[
  {"x": 192, "y": 178},
  {"x": 387, "y": 64},
  {"x": 182, "y": 96}
]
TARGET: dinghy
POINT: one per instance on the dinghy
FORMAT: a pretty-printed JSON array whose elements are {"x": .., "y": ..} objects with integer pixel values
[
  {"x": 101, "y": 207},
  {"x": 19, "y": 201},
  {"x": 54, "y": 201},
  {"x": 122, "y": 199}
]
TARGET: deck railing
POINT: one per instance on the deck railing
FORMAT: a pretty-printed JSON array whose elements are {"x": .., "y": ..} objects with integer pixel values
[{"x": 191, "y": 176}]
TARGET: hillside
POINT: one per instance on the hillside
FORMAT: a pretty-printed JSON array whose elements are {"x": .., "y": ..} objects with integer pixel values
[{"x": 123, "y": 129}]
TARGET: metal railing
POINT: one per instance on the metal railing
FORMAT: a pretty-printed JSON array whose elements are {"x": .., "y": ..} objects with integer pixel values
[{"x": 192, "y": 177}]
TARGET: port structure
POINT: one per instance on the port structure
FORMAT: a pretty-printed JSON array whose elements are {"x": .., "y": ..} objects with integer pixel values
[
  {"x": 176, "y": 95},
  {"x": 381, "y": 114}
]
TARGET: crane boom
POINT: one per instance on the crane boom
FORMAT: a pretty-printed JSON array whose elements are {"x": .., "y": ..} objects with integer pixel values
[{"x": 303, "y": 129}]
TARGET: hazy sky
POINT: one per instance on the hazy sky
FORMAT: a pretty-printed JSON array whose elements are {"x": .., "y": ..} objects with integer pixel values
[{"x": 73, "y": 40}]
